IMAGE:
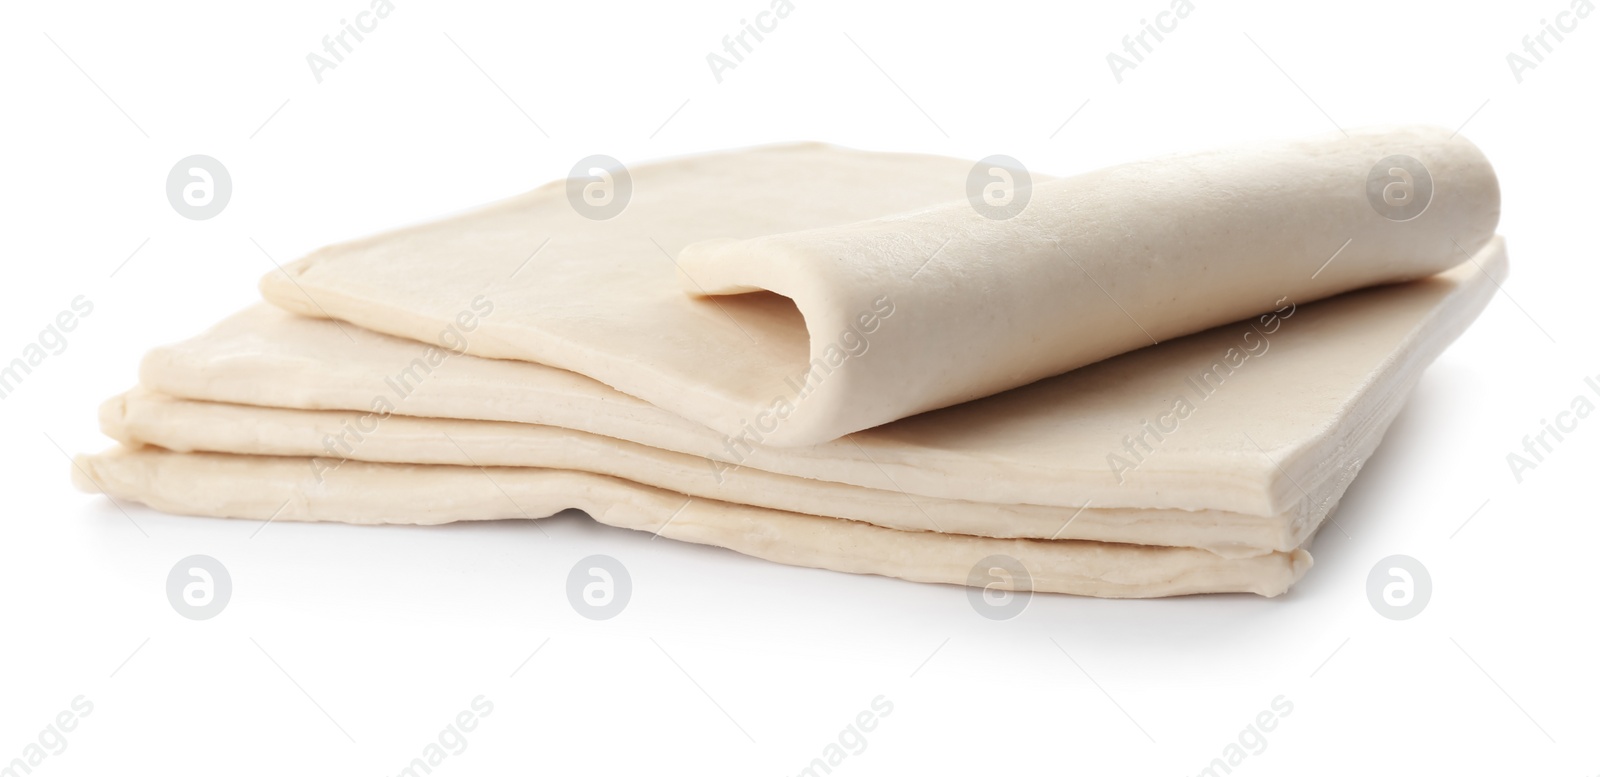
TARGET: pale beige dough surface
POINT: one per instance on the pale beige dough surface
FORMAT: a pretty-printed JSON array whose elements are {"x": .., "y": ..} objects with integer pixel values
[
  {"x": 1306, "y": 409},
  {"x": 259, "y": 487},
  {"x": 922, "y": 304},
  {"x": 326, "y": 438},
  {"x": 1097, "y": 265}
]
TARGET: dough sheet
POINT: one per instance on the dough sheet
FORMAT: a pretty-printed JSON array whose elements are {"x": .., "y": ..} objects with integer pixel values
[
  {"x": 1272, "y": 406},
  {"x": 327, "y": 439},
  {"x": 1155, "y": 379},
  {"x": 261, "y": 487},
  {"x": 857, "y": 288}
]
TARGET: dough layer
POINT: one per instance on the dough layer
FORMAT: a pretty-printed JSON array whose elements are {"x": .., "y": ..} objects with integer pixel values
[
  {"x": 261, "y": 487},
  {"x": 1249, "y": 445},
  {"x": 852, "y": 245},
  {"x": 328, "y": 438},
  {"x": 1095, "y": 265}
]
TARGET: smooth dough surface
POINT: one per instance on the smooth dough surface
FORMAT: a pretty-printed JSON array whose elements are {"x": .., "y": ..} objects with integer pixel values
[
  {"x": 329, "y": 438},
  {"x": 1097, "y": 265},
  {"x": 1276, "y": 404},
  {"x": 261, "y": 487},
  {"x": 897, "y": 296}
]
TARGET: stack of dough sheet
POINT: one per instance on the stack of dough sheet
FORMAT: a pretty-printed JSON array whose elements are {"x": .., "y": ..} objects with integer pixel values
[{"x": 1155, "y": 379}]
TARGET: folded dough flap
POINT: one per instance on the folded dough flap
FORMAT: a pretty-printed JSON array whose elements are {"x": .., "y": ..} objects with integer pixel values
[
  {"x": 921, "y": 310},
  {"x": 832, "y": 290}
]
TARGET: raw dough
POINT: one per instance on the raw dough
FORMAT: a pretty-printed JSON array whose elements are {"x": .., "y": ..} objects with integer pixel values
[
  {"x": 1218, "y": 453},
  {"x": 261, "y": 487},
  {"x": 1349, "y": 360},
  {"x": 1096, "y": 265},
  {"x": 143, "y": 417}
]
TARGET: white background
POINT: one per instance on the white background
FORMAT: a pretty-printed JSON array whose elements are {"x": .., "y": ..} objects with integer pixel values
[{"x": 347, "y": 650}]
